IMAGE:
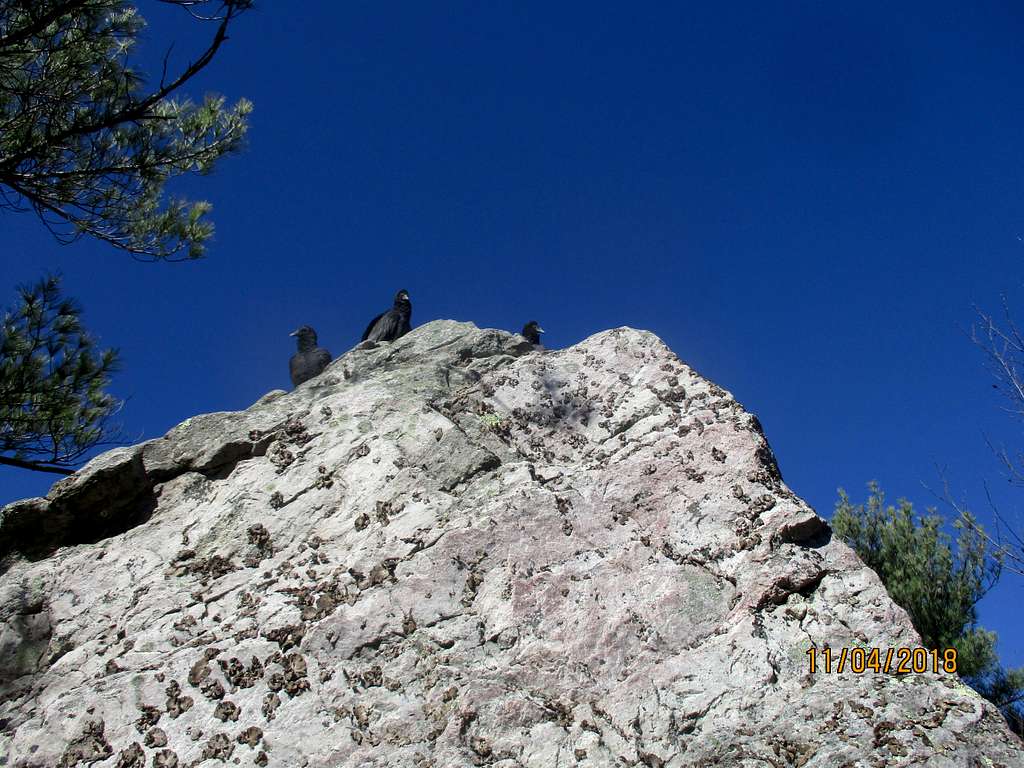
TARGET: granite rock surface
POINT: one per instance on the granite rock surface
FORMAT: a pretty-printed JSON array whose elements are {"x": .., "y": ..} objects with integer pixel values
[{"x": 454, "y": 550}]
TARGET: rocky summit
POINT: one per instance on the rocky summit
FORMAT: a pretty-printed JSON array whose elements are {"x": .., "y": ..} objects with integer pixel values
[{"x": 454, "y": 550}]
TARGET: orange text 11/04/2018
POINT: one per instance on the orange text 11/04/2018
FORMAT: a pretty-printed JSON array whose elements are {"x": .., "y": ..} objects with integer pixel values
[{"x": 897, "y": 661}]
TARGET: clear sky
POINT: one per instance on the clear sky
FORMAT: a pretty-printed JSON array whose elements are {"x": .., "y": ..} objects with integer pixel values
[{"x": 803, "y": 200}]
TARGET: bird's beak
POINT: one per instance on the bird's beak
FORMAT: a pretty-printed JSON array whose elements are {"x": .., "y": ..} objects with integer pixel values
[
  {"x": 540, "y": 330},
  {"x": 294, "y": 333}
]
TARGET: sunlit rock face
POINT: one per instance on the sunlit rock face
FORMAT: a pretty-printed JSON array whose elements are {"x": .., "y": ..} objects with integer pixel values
[{"x": 455, "y": 550}]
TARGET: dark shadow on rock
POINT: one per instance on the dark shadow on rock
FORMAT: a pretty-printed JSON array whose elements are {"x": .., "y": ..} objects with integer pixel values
[
  {"x": 223, "y": 472},
  {"x": 104, "y": 527},
  {"x": 36, "y": 531},
  {"x": 810, "y": 532},
  {"x": 818, "y": 540}
]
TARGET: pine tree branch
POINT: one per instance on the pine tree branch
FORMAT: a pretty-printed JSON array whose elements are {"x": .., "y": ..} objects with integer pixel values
[
  {"x": 137, "y": 110},
  {"x": 40, "y": 23},
  {"x": 36, "y": 466}
]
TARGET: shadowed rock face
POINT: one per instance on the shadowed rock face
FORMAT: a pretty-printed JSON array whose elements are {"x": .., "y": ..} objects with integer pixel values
[{"x": 455, "y": 551}]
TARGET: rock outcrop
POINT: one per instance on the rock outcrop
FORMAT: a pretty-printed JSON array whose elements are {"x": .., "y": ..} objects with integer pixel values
[{"x": 449, "y": 551}]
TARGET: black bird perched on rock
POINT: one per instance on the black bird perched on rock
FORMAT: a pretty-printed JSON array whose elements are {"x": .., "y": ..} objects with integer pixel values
[
  {"x": 310, "y": 360},
  {"x": 392, "y": 324},
  {"x": 531, "y": 332}
]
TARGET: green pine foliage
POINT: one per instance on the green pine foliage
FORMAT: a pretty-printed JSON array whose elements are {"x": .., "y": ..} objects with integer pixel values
[
  {"x": 87, "y": 145},
  {"x": 1004, "y": 688},
  {"x": 938, "y": 581},
  {"x": 914, "y": 558},
  {"x": 53, "y": 405}
]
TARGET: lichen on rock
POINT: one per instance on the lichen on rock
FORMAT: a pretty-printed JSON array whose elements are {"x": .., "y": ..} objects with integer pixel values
[{"x": 453, "y": 550}]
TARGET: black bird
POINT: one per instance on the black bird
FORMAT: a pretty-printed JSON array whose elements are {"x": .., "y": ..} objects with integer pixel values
[
  {"x": 310, "y": 360},
  {"x": 531, "y": 332},
  {"x": 392, "y": 324}
]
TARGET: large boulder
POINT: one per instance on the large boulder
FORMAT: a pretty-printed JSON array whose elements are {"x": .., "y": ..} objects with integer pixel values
[{"x": 454, "y": 550}]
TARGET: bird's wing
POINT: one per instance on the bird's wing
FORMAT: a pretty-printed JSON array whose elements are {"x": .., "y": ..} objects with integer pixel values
[
  {"x": 369, "y": 328},
  {"x": 323, "y": 358},
  {"x": 386, "y": 327},
  {"x": 295, "y": 368}
]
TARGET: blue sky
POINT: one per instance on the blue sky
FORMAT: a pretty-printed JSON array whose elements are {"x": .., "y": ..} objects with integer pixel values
[{"x": 803, "y": 201}]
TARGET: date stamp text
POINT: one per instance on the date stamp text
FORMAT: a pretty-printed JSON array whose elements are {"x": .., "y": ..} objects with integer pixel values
[{"x": 894, "y": 661}]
